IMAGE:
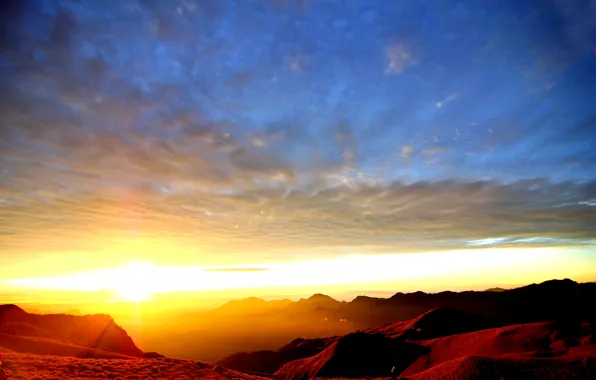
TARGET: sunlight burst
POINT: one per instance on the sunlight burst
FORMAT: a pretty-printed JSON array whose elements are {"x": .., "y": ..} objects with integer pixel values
[{"x": 135, "y": 282}]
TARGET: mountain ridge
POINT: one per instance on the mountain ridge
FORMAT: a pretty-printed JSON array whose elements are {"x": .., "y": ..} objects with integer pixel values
[
  {"x": 86, "y": 335},
  {"x": 321, "y": 296}
]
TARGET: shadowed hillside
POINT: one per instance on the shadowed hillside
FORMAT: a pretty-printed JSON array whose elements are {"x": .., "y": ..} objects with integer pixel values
[
  {"x": 269, "y": 361},
  {"x": 356, "y": 355},
  {"x": 435, "y": 323}
]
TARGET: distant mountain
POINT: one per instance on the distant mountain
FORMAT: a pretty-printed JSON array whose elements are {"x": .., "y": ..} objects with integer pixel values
[
  {"x": 251, "y": 305},
  {"x": 63, "y": 334},
  {"x": 257, "y": 305},
  {"x": 495, "y": 290},
  {"x": 555, "y": 300},
  {"x": 504, "y": 306},
  {"x": 320, "y": 300}
]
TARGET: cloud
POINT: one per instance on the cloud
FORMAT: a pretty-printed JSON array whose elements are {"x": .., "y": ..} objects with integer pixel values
[
  {"x": 398, "y": 58},
  {"x": 261, "y": 220},
  {"x": 529, "y": 241},
  {"x": 406, "y": 151},
  {"x": 112, "y": 135},
  {"x": 252, "y": 162},
  {"x": 431, "y": 151},
  {"x": 448, "y": 99},
  {"x": 235, "y": 269}
]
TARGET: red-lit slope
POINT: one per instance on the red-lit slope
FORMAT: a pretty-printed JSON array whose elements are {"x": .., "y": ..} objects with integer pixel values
[
  {"x": 535, "y": 351},
  {"x": 535, "y": 340},
  {"x": 20, "y": 330}
]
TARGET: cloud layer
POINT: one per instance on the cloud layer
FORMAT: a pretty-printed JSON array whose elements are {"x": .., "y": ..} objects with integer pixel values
[{"x": 266, "y": 129}]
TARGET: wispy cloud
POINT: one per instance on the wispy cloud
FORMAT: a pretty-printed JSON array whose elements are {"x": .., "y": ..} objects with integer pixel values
[
  {"x": 235, "y": 269},
  {"x": 398, "y": 58}
]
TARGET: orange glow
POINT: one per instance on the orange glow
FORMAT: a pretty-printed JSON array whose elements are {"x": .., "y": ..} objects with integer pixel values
[{"x": 463, "y": 269}]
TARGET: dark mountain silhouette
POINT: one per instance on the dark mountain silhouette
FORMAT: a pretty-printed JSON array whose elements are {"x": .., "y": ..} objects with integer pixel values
[
  {"x": 556, "y": 300},
  {"x": 63, "y": 334},
  {"x": 356, "y": 355},
  {"x": 550, "y": 300},
  {"x": 495, "y": 290}
]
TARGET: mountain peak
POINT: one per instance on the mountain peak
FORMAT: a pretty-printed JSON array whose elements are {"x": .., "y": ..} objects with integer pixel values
[
  {"x": 365, "y": 299},
  {"x": 565, "y": 281},
  {"x": 563, "y": 285},
  {"x": 244, "y": 304},
  {"x": 495, "y": 290},
  {"x": 10, "y": 306},
  {"x": 320, "y": 297},
  {"x": 254, "y": 300},
  {"x": 11, "y": 309}
]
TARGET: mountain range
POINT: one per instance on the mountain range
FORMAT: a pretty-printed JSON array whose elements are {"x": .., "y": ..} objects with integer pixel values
[
  {"x": 556, "y": 300},
  {"x": 550, "y": 300},
  {"x": 538, "y": 331}
]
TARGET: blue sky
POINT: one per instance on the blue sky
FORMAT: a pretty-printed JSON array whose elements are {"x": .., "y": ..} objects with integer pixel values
[{"x": 261, "y": 128}]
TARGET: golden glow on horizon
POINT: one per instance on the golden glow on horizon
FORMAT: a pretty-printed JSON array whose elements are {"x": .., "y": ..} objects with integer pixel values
[
  {"x": 139, "y": 281},
  {"x": 134, "y": 282}
]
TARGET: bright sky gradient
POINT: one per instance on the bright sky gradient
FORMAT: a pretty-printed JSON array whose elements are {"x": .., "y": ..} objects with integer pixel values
[{"x": 318, "y": 142}]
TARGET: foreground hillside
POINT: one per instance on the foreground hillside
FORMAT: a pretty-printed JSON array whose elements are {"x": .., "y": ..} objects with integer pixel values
[
  {"x": 545, "y": 350},
  {"x": 440, "y": 344},
  {"x": 45, "y": 367},
  {"x": 60, "y": 346},
  {"x": 530, "y": 351}
]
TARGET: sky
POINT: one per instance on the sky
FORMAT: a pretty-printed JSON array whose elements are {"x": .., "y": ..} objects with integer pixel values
[{"x": 284, "y": 143}]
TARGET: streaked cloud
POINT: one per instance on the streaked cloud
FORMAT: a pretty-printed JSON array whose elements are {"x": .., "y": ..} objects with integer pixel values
[{"x": 448, "y": 99}]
